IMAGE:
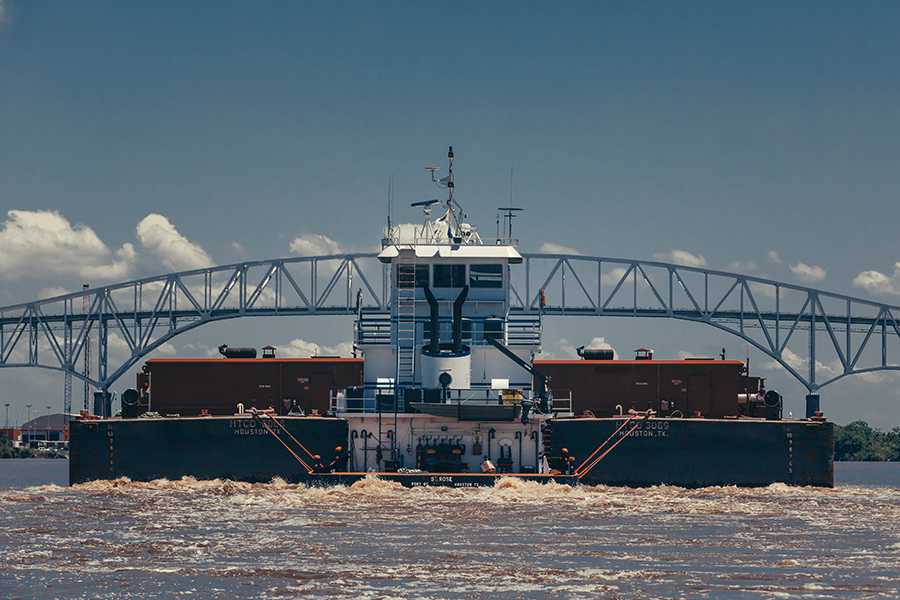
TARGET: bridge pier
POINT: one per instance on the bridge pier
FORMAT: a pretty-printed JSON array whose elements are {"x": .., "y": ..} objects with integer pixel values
[
  {"x": 103, "y": 404},
  {"x": 812, "y": 405}
]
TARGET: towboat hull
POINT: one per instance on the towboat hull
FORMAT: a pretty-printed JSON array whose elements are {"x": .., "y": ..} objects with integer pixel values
[{"x": 454, "y": 480}]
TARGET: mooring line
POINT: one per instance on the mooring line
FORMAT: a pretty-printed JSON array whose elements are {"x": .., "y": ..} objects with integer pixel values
[
  {"x": 261, "y": 420},
  {"x": 593, "y": 464}
]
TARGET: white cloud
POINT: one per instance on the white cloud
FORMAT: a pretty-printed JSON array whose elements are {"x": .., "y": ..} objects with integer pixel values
[
  {"x": 549, "y": 248},
  {"x": 119, "y": 351},
  {"x": 763, "y": 289},
  {"x": 792, "y": 359},
  {"x": 562, "y": 350},
  {"x": 686, "y": 354},
  {"x": 681, "y": 257},
  {"x": 565, "y": 350},
  {"x": 799, "y": 363},
  {"x": 52, "y": 292},
  {"x": 873, "y": 377},
  {"x": 599, "y": 343},
  {"x": 294, "y": 349},
  {"x": 774, "y": 256},
  {"x": 614, "y": 276},
  {"x": 127, "y": 252},
  {"x": 201, "y": 350},
  {"x": 38, "y": 244},
  {"x": 743, "y": 266},
  {"x": 302, "y": 349},
  {"x": 313, "y": 244},
  {"x": 175, "y": 251},
  {"x": 875, "y": 282},
  {"x": 808, "y": 273}
]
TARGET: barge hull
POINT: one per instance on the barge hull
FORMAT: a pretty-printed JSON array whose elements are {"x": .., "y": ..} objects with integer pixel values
[
  {"x": 238, "y": 448},
  {"x": 698, "y": 452}
]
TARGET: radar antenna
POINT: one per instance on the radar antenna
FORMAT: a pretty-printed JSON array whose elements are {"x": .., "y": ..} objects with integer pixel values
[
  {"x": 457, "y": 230},
  {"x": 508, "y": 217}
]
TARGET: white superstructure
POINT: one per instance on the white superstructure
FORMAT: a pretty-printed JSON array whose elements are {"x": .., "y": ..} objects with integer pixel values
[{"x": 433, "y": 379}]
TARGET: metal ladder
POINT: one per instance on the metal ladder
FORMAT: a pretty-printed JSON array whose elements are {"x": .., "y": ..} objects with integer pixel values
[
  {"x": 406, "y": 321},
  {"x": 406, "y": 355}
]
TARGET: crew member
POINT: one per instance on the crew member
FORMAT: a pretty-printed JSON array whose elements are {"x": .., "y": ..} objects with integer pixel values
[{"x": 339, "y": 460}]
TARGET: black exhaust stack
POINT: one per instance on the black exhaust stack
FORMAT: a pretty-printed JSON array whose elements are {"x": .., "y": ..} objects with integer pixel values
[
  {"x": 434, "y": 334},
  {"x": 457, "y": 319}
]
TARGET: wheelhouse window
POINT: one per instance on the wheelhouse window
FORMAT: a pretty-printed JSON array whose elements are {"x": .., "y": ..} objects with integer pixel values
[
  {"x": 486, "y": 276},
  {"x": 407, "y": 275},
  {"x": 449, "y": 276}
]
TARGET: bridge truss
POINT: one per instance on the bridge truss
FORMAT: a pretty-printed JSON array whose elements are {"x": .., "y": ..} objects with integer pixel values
[{"x": 813, "y": 334}]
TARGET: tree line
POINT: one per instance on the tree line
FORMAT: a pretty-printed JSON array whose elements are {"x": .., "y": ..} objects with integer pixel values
[
  {"x": 858, "y": 441},
  {"x": 7, "y": 450}
]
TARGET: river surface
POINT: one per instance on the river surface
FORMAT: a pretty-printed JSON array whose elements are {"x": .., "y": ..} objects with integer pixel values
[{"x": 221, "y": 539}]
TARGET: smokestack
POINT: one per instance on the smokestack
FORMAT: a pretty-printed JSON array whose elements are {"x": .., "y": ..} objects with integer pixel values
[
  {"x": 434, "y": 336},
  {"x": 457, "y": 319}
]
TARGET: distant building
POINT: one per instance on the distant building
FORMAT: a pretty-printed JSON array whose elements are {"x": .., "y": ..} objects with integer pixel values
[
  {"x": 12, "y": 434},
  {"x": 45, "y": 431}
]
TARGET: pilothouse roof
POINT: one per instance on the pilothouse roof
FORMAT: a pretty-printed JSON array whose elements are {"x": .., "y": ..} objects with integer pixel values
[{"x": 454, "y": 251}]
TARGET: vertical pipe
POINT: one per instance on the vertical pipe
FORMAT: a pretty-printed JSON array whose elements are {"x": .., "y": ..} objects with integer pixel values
[
  {"x": 634, "y": 288},
  {"x": 563, "y": 281},
  {"x": 519, "y": 437},
  {"x": 104, "y": 347},
  {"x": 848, "y": 335},
  {"x": 457, "y": 319},
  {"x": 365, "y": 436},
  {"x": 670, "y": 291},
  {"x": 349, "y": 281},
  {"x": 528, "y": 281},
  {"x": 778, "y": 320},
  {"x": 434, "y": 336},
  {"x": 812, "y": 339},
  {"x": 743, "y": 291},
  {"x": 385, "y": 285},
  {"x": 706, "y": 292},
  {"x": 599, "y": 290}
]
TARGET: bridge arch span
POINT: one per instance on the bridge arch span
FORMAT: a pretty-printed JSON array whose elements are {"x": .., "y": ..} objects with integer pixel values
[{"x": 54, "y": 333}]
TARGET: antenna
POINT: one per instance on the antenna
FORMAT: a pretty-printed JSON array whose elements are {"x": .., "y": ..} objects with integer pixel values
[
  {"x": 88, "y": 361},
  {"x": 390, "y": 201},
  {"x": 447, "y": 181},
  {"x": 510, "y": 214},
  {"x": 510, "y": 211},
  {"x": 452, "y": 225}
]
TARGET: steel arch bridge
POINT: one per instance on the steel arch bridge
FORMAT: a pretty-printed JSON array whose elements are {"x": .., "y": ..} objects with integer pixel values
[{"x": 794, "y": 325}]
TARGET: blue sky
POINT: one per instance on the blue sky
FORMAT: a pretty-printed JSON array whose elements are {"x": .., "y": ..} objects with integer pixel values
[{"x": 758, "y": 137}]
